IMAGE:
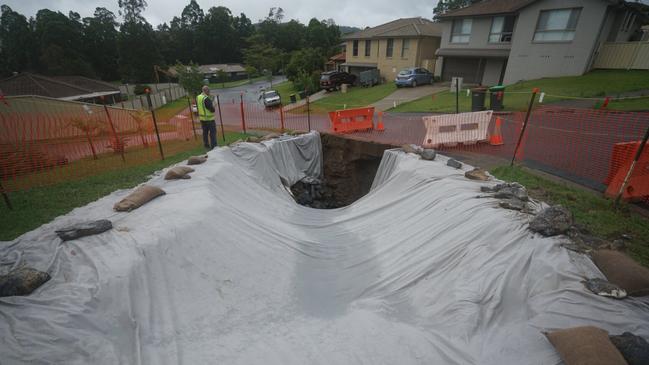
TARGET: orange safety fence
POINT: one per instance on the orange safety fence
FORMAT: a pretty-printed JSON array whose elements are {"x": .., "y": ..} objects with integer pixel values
[
  {"x": 576, "y": 144},
  {"x": 46, "y": 141}
]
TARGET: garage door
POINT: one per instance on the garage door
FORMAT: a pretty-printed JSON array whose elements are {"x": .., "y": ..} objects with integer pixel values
[{"x": 471, "y": 69}]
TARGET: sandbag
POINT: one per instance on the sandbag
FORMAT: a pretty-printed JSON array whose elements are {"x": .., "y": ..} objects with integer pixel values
[
  {"x": 139, "y": 197},
  {"x": 585, "y": 345},
  {"x": 178, "y": 172},
  {"x": 269, "y": 136},
  {"x": 196, "y": 160},
  {"x": 635, "y": 349},
  {"x": 22, "y": 281},
  {"x": 84, "y": 229},
  {"x": 623, "y": 271}
]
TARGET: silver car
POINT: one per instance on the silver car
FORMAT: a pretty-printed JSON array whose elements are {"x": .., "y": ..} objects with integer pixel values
[{"x": 270, "y": 98}]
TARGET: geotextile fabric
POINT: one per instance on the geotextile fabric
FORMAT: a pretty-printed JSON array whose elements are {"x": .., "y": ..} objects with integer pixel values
[{"x": 227, "y": 269}]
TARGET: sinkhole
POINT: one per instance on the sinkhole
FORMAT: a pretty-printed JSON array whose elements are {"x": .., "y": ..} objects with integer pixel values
[{"x": 349, "y": 167}]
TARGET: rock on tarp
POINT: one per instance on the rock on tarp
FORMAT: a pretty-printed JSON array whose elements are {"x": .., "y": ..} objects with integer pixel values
[{"x": 228, "y": 269}]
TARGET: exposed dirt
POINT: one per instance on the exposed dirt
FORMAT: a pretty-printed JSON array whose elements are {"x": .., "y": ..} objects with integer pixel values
[{"x": 349, "y": 169}]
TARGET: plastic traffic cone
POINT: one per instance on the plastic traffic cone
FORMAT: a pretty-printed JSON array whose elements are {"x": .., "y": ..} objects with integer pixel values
[
  {"x": 379, "y": 125},
  {"x": 496, "y": 138}
]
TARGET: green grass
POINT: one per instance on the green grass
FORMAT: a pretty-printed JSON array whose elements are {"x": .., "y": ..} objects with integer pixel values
[
  {"x": 170, "y": 109},
  {"x": 356, "y": 97},
  {"x": 594, "y": 84},
  {"x": 591, "y": 210},
  {"x": 37, "y": 206},
  {"x": 228, "y": 84},
  {"x": 285, "y": 89}
]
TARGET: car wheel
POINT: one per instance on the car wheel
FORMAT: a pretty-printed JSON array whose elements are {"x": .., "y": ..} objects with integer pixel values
[{"x": 414, "y": 83}]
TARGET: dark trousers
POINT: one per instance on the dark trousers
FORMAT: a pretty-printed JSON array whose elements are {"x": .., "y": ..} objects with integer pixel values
[{"x": 209, "y": 128}]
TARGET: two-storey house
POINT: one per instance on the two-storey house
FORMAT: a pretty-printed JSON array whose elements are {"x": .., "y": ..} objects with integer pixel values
[
  {"x": 393, "y": 46},
  {"x": 505, "y": 41}
]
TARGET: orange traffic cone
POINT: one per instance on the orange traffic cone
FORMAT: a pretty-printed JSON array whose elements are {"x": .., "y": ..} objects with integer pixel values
[
  {"x": 496, "y": 138},
  {"x": 379, "y": 125}
]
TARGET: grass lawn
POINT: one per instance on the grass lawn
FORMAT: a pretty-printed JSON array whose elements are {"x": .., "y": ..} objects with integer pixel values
[
  {"x": 285, "y": 89},
  {"x": 227, "y": 84},
  {"x": 594, "y": 84},
  {"x": 37, "y": 206},
  {"x": 356, "y": 97},
  {"x": 170, "y": 109},
  {"x": 590, "y": 210}
]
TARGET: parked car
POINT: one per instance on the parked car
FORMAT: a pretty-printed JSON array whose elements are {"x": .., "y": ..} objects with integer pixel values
[
  {"x": 413, "y": 77},
  {"x": 331, "y": 80},
  {"x": 270, "y": 98}
]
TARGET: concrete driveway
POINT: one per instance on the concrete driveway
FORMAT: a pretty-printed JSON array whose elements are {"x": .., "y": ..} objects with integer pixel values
[{"x": 406, "y": 94}]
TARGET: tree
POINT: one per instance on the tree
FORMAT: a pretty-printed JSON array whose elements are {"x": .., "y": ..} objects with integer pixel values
[
  {"x": 190, "y": 78},
  {"x": 223, "y": 77},
  {"x": 446, "y": 5},
  {"x": 132, "y": 10},
  {"x": 261, "y": 55},
  {"x": 217, "y": 38},
  {"x": 100, "y": 43},
  {"x": 138, "y": 52},
  {"x": 16, "y": 42},
  {"x": 60, "y": 42},
  {"x": 305, "y": 61}
]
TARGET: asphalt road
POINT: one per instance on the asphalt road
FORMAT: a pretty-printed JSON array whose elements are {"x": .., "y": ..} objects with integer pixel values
[{"x": 250, "y": 91}]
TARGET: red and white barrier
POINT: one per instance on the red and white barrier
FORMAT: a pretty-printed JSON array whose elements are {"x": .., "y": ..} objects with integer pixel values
[{"x": 451, "y": 129}]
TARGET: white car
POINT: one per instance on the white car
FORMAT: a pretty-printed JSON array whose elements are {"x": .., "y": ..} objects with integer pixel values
[{"x": 270, "y": 98}]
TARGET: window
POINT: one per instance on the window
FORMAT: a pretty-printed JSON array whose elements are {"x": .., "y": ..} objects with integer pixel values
[
  {"x": 557, "y": 25},
  {"x": 355, "y": 49},
  {"x": 405, "y": 47},
  {"x": 368, "y": 47},
  {"x": 388, "y": 48},
  {"x": 461, "y": 31},
  {"x": 502, "y": 28}
]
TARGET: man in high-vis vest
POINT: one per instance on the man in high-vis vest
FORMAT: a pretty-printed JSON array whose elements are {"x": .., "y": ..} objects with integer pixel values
[{"x": 206, "y": 116}]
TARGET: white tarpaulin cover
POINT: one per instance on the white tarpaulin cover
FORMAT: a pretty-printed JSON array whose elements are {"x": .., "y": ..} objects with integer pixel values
[{"x": 227, "y": 269}]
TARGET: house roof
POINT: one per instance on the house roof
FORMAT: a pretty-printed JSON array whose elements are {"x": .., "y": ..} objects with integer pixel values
[
  {"x": 339, "y": 57},
  {"x": 227, "y": 67},
  {"x": 59, "y": 87},
  {"x": 405, "y": 27},
  {"x": 491, "y": 7}
]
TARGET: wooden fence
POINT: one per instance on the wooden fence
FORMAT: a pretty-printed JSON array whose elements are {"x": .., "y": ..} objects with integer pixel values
[{"x": 623, "y": 55}]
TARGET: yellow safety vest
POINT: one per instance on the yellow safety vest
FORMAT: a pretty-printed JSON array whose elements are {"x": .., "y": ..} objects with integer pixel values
[{"x": 203, "y": 113}]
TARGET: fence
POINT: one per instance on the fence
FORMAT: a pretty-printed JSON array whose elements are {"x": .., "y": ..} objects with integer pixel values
[
  {"x": 576, "y": 144},
  {"x": 623, "y": 55},
  {"x": 40, "y": 139},
  {"x": 45, "y": 141},
  {"x": 158, "y": 99}
]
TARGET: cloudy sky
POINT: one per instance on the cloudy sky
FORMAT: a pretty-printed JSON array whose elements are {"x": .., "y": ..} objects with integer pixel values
[{"x": 343, "y": 12}]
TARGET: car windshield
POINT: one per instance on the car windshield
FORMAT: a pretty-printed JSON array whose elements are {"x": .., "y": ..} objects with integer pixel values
[
  {"x": 405, "y": 72},
  {"x": 270, "y": 94},
  {"x": 324, "y": 77}
]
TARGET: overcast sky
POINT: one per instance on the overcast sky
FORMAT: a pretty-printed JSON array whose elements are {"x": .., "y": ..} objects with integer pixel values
[{"x": 343, "y": 12}]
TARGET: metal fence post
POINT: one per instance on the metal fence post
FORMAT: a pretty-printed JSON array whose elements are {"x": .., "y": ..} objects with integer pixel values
[
  {"x": 118, "y": 143},
  {"x": 457, "y": 96},
  {"x": 155, "y": 123},
  {"x": 243, "y": 116},
  {"x": 191, "y": 116},
  {"x": 5, "y": 196},
  {"x": 632, "y": 167},
  {"x": 281, "y": 117},
  {"x": 527, "y": 117},
  {"x": 218, "y": 105},
  {"x": 308, "y": 112}
]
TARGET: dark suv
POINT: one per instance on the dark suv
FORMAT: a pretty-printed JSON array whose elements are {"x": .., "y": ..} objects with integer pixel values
[{"x": 331, "y": 80}]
